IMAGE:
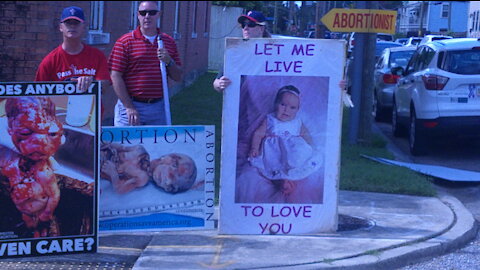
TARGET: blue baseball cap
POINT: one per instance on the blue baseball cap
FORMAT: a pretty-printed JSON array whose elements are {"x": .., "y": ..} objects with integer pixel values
[
  {"x": 254, "y": 16},
  {"x": 72, "y": 12}
]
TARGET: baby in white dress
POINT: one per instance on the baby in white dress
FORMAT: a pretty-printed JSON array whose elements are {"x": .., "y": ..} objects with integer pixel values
[{"x": 282, "y": 149}]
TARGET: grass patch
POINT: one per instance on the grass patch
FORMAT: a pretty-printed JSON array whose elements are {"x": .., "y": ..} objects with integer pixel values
[
  {"x": 199, "y": 104},
  {"x": 361, "y": 174}
]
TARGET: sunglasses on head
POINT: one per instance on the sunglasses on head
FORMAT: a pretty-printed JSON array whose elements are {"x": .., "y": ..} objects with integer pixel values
[
  {"x": 249, "y": 24},
  {"x": 150, "y": 12}
]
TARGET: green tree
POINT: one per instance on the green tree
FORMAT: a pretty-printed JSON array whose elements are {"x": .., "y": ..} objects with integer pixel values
[{"x": 391, "y": 5}]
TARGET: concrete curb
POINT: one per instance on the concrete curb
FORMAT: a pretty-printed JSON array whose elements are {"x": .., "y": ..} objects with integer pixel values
[{"x": 463, "y": 230}]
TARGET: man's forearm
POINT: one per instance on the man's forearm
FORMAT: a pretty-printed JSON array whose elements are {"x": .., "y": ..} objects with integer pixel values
[
  {"x": 174, "y": 72},
  {"x": 121, "y": 90}
]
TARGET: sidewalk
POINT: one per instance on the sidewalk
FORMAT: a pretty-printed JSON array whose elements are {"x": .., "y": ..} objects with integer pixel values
[{"x": 398, "y": 229}]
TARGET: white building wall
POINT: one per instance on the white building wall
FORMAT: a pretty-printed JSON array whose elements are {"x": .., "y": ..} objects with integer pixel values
[
  {"x": 410, "y": 16},
  {"x": 223, "y": 23}
]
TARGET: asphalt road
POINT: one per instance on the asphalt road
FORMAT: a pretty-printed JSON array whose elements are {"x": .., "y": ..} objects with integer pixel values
[{"x": 453, "y": 153}]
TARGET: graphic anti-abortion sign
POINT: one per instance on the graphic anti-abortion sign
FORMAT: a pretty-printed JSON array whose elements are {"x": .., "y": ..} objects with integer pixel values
[
  {"x": 157, "y": 178},
  {"x": 48, "y": 168},
  {"x": 281, "y": 136}
]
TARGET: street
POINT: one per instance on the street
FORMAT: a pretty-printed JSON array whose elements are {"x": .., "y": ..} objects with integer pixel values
[
  {"x": 454, "y": 153},
  {"x": 458, "y": 154}
]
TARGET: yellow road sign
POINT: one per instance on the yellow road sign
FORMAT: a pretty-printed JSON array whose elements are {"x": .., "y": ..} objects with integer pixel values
[{"x": 360, "y": 20}]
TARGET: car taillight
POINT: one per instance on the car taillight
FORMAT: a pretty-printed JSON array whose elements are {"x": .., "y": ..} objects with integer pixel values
[
  {"x": 430, "y": 124},
  {"x": 434, "y": 82},
  {"x": 390, "y": 78}
]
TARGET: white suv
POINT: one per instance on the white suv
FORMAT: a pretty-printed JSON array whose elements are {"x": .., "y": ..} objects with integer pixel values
[
  {"x": 430, "y": 38},
  {"x": 439, "y": 93}
]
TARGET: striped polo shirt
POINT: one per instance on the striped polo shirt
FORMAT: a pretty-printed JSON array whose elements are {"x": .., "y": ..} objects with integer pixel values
[{"x": 136, "y": 58}]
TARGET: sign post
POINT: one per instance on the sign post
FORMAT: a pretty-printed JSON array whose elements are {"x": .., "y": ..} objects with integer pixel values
[{"x": 360, "y": 20}]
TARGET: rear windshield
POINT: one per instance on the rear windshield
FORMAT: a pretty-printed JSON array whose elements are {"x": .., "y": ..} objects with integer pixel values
[
  {"x": 439, "y": 38},
  {"x": 416, "y": 41},
  {"x": 385, "y": 37},
  {"x": 400, "y": 59},
  {"x": 462, "y": 62},
  {"x": 382, "y": 46}
]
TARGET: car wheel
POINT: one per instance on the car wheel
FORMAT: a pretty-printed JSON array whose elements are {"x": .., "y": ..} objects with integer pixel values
[
  {"x": 397, "y": 129},
  {"x": 377, "y": 112},
  {"x": 416, "y": 136}
]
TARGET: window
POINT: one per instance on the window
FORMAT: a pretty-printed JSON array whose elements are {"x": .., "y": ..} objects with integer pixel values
[
  {"x": 133, "y": 15},
  {"x": 412, "y": 62},
  {"x": 400, "y": 59},
  {"x": 206, "y": 30},
  {"x": 176, "y": 33},
  {"x": 426, "y": 55},
  {"x": 96, "y": 16},
  {"x": 379, "y": 64},
  {"x": 462, "y": 62},
  {"x": 427, "y": 58},
  {"x": 476, "y": 20},
  {"x": 95, "y": 31},
  {"x": 194, "y": 17},
  {"x": 419, "y": 60},
  {"x": 445, "y": 10}
]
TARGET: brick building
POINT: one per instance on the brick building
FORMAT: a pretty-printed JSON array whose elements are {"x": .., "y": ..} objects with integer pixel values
[{"x": 29, "y": 31}]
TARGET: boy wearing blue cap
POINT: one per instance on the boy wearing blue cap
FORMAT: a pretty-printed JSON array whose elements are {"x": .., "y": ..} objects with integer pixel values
[{"x": 73, "y": 60}]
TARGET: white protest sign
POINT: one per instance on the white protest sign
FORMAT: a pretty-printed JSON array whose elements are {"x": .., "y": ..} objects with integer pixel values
[{"x": 281, "y": 136}]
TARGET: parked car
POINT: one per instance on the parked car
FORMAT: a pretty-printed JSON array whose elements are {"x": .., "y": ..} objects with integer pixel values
[
  {"x": 413, "y": 41},
  {"x": 336, "y": 35},
  {"x": 380, "y": 46},
  {"x": 384, "y": 81},
  {"x": 438, "y": 94},
  {"x": 430, "y": 38},
  {"x": 402, "y": 41},
  {"x": 310, "y": 34},
  {"x": 380, "y": 37}
]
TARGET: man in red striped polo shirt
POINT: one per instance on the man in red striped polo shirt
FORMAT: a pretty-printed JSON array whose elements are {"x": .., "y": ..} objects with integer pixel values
[{"x": 135, "y": 70}]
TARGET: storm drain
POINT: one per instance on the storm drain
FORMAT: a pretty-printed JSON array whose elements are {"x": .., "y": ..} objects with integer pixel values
[
  {"x": 351, "y": 223},
  {"x": 64, "y": 266}
]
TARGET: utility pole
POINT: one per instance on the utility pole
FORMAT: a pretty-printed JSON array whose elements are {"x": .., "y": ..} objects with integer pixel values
[
  {"x": 360, "y": 128},
  {"x": 365, "y": 131},
  {"x": 357, "y": 82},
  {"x": 319, "y": 12},
  {"x": 275, "y": 17},
  {"x": 317, "y": 19},
  {"x": 291, "y": 15}
]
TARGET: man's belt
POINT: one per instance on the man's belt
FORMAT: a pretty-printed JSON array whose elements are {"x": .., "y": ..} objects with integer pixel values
[{"x": 146, "y": 100}]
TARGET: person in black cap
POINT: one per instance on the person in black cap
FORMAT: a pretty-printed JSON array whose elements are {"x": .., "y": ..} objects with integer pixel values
[
  {"x": 253, "y": 25},
  {"x": 73, "y": 60}
]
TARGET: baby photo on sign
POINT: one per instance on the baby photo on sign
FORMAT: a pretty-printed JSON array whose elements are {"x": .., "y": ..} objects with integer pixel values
[
  {"x": 281, "y": 139},
  {"x": 153, "y": 178}
]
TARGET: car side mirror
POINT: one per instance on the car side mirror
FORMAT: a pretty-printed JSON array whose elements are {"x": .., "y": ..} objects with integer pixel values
[{"x": 398, "y": 71}]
